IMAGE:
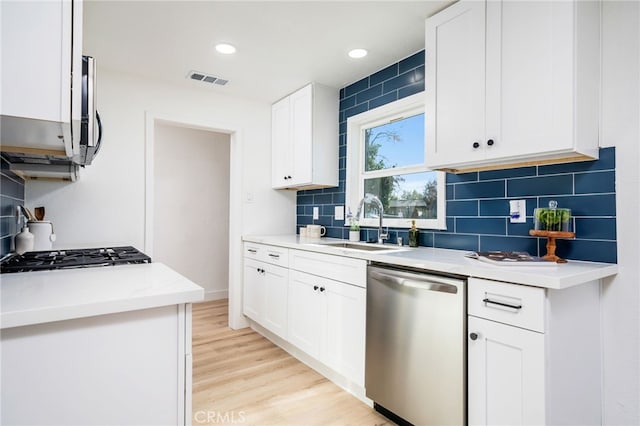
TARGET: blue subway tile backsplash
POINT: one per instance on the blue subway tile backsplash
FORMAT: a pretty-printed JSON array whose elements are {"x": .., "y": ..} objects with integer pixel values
[
  {"x": 595, "y": 182},
  {"x": 478, "y": 202}
]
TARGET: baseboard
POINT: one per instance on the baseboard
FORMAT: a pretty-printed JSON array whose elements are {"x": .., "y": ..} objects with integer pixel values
[{"x": 215, "y": 295}]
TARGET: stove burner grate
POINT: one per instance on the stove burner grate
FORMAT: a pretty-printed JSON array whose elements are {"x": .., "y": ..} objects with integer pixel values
[{"x": 75, "y": 258}]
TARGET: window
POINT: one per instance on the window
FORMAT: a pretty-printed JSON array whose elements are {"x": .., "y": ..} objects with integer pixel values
[{"x": 386, "y": 157}]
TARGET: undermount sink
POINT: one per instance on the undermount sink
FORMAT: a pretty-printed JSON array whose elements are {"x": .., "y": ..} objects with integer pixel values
[{"x": 363, "y": 247}]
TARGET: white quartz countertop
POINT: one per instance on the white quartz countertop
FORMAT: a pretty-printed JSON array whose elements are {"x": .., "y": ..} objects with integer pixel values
[
  {"x": 557, "y": 276},
  {"x": 38, "y": 297}
]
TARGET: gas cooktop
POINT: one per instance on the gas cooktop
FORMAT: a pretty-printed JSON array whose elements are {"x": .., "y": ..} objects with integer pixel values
[{"x": 76, "y": 258}]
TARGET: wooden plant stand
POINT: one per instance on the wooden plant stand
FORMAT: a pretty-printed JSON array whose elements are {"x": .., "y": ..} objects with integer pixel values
[{"x": 551, "y": 243}]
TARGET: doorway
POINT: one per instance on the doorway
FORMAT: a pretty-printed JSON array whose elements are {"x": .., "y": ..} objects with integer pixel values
[
  {"x": 191, "y": 205},
  {"x": 234, "y": 224}
]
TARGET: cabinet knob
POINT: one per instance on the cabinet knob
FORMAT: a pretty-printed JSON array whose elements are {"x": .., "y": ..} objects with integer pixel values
[
  {"x": 315, "y": 287},
  {"x": 476, "y": 145},
  {"x": 490, "y": 142},
  {"x": 473, "y": 336},
  {"x": 321, "y": 288}
]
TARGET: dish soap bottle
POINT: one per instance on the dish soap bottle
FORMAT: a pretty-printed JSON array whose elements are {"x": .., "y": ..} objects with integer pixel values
[
  {"x": 413, "y": 235},
  {"x": 24, "y": 241}
]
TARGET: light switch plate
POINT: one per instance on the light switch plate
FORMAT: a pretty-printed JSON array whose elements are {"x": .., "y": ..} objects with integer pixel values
[
  {"x": 316, "y": 213},
  {"x": 339, "y": 213}
]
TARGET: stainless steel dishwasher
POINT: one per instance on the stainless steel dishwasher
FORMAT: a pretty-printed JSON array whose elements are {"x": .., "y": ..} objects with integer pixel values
[{"x": 415, "y": 352}]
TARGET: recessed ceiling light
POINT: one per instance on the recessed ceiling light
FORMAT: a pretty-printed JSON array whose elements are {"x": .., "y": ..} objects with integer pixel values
[
  {"x": 225, "y": 48},
  {"x": 358, "y": 53}
]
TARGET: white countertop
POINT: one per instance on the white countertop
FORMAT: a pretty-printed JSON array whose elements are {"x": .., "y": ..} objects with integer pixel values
[
  {"x": 557, "y": 276},
  {"x": 39, "y": 297}
]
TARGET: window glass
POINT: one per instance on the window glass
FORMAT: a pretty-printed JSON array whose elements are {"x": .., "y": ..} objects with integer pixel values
[
  {"x": 413, "y": 195},
  {"x": 386, "y": 157},
  {"x": 396, "y": 144}
]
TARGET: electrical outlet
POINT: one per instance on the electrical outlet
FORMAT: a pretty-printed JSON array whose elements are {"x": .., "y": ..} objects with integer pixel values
[
  {"x": 316, "y": 213},
  {"x": 338, "y": 213},
  {"x": 518, "y": 211}
]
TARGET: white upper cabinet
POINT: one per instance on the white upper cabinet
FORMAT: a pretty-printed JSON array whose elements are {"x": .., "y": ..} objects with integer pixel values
[
  {"x": 304, "y": 137},
  {"x": 512, "y": 83},
  {"x": 41, "y": 63}
]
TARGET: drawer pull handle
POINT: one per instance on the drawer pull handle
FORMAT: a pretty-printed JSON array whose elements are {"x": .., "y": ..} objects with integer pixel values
[
  {"x": 275, "y": 256},
  {"x": 252, "y": 250},
  {"x": 502, "y": 304}
]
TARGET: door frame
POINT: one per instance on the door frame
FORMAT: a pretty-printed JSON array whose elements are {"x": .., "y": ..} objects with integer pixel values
[{"x": 236, "y": 319}]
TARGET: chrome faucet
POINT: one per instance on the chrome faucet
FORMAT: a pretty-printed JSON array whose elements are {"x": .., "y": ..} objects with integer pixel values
[{"x": 369, "y": 198}]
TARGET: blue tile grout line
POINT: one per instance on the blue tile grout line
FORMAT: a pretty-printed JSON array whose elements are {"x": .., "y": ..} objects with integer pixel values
[{"x": 586, "y": 187}]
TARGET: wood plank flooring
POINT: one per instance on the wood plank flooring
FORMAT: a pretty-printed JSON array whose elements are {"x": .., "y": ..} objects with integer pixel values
[{"x": 239, "y": 377}]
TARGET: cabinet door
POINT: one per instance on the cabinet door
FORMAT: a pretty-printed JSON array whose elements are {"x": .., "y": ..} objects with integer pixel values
[
  {"x": 529, "y": 66},
  {"x": 305, "y": 312},
  {"x": 345, "y": 329},
  {"x": 455, "y": 87},
  {"x": 253, "y": 290},
  {"x": 275, "y": 299},
  {"x": 301, "y": 115},
  {"x": 506, "y": 374},
  {"x": 36, "y": 81},
  {"x": 281, "y": 157}
]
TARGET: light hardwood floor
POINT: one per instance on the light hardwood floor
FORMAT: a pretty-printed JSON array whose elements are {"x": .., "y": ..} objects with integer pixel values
[{"x": 239, "y": 377}]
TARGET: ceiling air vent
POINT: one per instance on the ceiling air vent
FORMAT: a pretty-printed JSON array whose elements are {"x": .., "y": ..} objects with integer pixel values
[{"x": 206, "y": 78}]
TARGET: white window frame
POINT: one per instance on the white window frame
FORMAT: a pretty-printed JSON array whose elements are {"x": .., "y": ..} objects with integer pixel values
[{"x": 355, "y": 174}]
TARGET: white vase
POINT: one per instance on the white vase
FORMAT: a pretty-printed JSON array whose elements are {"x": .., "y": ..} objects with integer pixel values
[{"x": 354, "y": 235}]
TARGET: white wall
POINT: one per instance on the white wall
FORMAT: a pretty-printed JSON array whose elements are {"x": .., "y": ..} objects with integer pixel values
[
  {"x": 191, "y": 205},
  {"x": 621, "y": 294},
  {"x": 107, "y": 205}
]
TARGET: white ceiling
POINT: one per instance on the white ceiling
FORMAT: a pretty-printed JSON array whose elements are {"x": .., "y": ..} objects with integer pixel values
[{"x": 282, "y": 45}]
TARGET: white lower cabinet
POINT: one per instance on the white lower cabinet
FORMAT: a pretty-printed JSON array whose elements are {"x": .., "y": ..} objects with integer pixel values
[
  {"x": 345, "y": 320},
  {"x": 533, "y": 354},
  {"x": 315, "y": 302},
  {"x": 125, "y": 368},
  {"x": 265, "y": 288},
  {"x": 275, "y": 299},
  {"x": 265, "y": 295},
  {"x": 327, "y": 321},
  {"x": 306, "y": 307},
  {"x": 253, "y": 293},
  {"x": 506, "y": 371}
]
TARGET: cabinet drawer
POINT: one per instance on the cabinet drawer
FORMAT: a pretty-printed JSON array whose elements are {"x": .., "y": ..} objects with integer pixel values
[
  {"x": 345, "y": 269},
  {"x": 266, "y": 253},
  {"x": 513, "y": 304}
]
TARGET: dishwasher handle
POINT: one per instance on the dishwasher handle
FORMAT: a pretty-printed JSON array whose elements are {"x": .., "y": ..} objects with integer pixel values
[{"x": 426, "y": 282}]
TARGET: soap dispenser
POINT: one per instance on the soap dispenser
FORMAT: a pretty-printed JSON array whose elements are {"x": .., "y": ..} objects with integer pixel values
[
  {"x": 24, "y": 241},
  {"x": 413, "y": 235}
]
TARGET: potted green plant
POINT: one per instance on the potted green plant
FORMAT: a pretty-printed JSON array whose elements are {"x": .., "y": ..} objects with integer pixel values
[
  {"x": 552, "y": 218},
  {"x": 354, "y": 230}
]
